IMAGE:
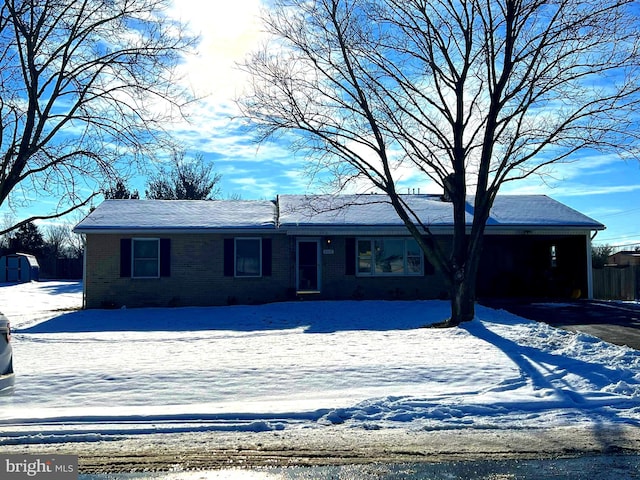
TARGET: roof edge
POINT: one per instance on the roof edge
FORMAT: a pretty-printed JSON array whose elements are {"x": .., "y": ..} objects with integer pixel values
[{"x": 180, "y": 230}]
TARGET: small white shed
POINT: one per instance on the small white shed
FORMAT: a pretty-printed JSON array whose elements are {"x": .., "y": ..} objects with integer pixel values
[{"x": 19, "y": 268}]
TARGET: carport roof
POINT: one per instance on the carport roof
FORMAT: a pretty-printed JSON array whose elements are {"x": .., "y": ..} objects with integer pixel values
[{"x": 534, "y": 211}]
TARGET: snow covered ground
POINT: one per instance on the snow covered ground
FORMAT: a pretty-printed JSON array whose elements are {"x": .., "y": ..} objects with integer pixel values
[{"x": 104, "y": 374}]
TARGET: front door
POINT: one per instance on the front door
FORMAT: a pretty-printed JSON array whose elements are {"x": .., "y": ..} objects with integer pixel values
[{"x": 308, "y": 261}]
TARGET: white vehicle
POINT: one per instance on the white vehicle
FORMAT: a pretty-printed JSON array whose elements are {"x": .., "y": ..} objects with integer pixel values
[{"x": 7, "y": 376}]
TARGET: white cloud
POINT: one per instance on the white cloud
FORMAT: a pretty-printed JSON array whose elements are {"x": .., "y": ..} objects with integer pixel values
[
  {"x": 595, "y": 164},
  {"x": 564, "y": 188},
  {"x": 228, "y": 31},
  {"x": 253, "y": 187},
  {"x": 584, "y": 189}
]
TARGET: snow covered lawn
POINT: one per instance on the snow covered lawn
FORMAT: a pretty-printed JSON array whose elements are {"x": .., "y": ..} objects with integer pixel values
[{"x": 100, "y": 374}]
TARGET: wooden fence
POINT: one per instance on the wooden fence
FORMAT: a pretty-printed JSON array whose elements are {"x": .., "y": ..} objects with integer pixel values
[{"x": 617, "y": 283}]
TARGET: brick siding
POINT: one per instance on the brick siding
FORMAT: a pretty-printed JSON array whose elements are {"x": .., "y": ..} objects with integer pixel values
[
  {"x": 197, "y": 275},
  {"x": 511, "y": 266}
]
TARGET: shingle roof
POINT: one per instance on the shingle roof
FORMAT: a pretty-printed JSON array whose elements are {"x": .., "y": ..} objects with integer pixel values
[
  {"x": 375, "y": 210},
  {"x": 299, "y": 211},
  {"x": 145, "y": 215}
]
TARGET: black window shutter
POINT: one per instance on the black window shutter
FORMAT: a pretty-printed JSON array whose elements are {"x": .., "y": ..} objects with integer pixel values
[
  {"x": 165, "y": 257},
  {"x": 228, "y": 257},
  {"x": 125, "y": 257},
  {"x": 429, "y": 269},
  {"x": 349, "y": 256},
  {"x": 266, "y": 257}
]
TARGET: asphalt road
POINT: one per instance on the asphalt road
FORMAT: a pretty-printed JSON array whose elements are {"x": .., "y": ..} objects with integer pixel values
[
  {"x": 613, "y": 322},
  {"x": 603, "y": 467}
]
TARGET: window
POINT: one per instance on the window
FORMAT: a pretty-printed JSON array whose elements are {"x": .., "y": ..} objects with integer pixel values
[
  {"x": 414, "y": 258},
  {"x": 248, "y": 257},
  {"x": 145, "y": 258},
  {"x": 389, "y": 256},
  {"x": 140, "y": 257},
  {"x": 365, "y": 256}
]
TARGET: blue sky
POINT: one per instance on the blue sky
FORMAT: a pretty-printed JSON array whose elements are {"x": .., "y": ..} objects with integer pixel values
[{"x": 603, "y": 187}]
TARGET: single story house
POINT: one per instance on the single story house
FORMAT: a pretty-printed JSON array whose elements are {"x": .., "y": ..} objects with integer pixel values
[
  {"x": 217, "y": 252},
  {"x": 624, "y": 258}
]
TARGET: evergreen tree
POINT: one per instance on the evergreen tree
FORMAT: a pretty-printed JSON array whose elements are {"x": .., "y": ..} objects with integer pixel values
[
  {"x": 27, "y": 239},
  {"x": 600, "y": 254},
  {"x": 121, "y": 191}
]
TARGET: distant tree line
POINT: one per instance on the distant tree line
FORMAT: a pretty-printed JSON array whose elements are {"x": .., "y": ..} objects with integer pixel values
[
  {"x": 600, "y": 254},
  {"x": 184, "y": 179},
  {"x": 59, "y": 251}
]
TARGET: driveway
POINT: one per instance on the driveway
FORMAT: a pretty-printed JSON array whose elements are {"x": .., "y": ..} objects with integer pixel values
[{"x": 613, "y": 322}]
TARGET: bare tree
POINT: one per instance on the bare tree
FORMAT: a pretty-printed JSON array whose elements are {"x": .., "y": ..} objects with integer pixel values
[
  {"x": 600, "y": 255},
  {"x": 76, "y": 245},
  {"x": 6, "y": 221},
  {"x": 86, "y": 89},
  {"x": 470, "y": 93},
  {"x": 57, "y": 238},
  {"x": 187, "y": 179}
]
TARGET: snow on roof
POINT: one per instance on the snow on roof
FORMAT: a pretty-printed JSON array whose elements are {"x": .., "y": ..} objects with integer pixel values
[
  {"x": 179, "y": 215},
  {"x": 375, "y": 210},
  {"x": 294, "y": 211}
]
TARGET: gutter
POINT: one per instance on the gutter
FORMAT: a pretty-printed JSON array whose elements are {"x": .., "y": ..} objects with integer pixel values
[
  {"x": 169, "y": 231},
  {"x": 355, "y": 230}
]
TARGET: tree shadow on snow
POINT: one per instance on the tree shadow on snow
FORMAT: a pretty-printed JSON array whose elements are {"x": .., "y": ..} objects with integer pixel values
[
  {"x": 313, "y": 317},
  {"x": 60, "y": 288},
  {"x": 547, "y": 373}
]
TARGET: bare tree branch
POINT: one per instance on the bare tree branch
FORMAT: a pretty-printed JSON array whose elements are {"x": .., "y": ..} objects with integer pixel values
[
  {"x": 471, "y": 93},
  {"x": 87, "y": 89},
  {"x": 58, "y": 214}
]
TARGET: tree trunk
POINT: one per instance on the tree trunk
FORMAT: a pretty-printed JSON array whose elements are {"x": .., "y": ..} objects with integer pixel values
[
  {"x": 462, "y": 301},
  {"x": 464, "y": 279}
]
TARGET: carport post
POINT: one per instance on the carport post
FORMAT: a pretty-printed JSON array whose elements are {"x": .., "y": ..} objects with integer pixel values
[
  {"x": 84, "y": 270},
  {"x": 589, "y": 266}
]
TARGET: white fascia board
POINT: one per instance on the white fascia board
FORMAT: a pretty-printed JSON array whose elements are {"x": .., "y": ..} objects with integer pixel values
[
  {"x": 346, "y": 231},
  {"x": 524, "y": 231},
  {"x": 176, "y": 231},
  {"x": 402, "y": 231}
]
